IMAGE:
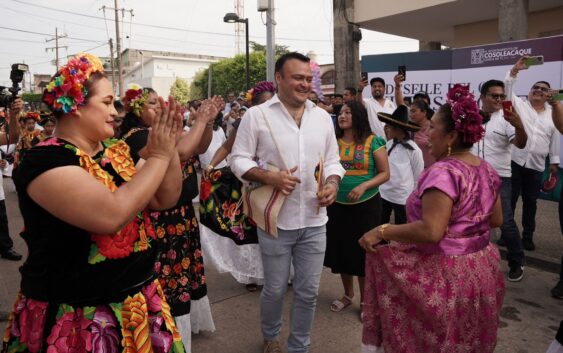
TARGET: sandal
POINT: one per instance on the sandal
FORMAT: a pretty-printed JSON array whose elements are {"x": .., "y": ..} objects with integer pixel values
[{"x": 340, "y": 304}]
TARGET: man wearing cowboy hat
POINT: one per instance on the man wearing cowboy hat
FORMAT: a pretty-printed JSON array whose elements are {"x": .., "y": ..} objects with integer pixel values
[{"x": 405, "y": 164}]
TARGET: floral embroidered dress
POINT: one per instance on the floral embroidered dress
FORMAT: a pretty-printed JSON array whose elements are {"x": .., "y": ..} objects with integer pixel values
[
  {"x": 179, "y": 264},
  {"x": 443, "y": 297},
  {"x": 24, "y": 143},
  {"x": 83, "y": 292}
]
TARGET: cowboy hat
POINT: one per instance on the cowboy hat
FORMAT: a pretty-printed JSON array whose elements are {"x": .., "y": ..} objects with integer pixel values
[{"x": 399, "y": 118}]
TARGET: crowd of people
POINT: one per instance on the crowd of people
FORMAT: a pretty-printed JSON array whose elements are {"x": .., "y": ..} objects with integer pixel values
[{"x": 400, "y": 196}]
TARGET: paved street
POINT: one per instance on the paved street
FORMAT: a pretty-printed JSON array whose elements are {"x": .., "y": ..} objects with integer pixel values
[{"x": 529, "y": 318}]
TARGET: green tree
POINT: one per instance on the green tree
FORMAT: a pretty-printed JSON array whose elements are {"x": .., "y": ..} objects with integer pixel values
[
  {"x": 229, "y": 75},
  {"x": 280, "y": 49},
  {"x": 180, "y": 91}
]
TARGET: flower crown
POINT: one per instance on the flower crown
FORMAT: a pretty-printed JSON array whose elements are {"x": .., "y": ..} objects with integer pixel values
[
  {"x": 137, "y": 97},
  {"x": 263, "y": 86},
  {"x": 66, "y": 91},
  {"x": 30, "y": 115},
  {"x": 465, "y": 113}
]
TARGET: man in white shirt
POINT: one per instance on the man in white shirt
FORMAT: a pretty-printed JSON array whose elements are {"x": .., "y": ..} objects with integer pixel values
[
  {"x": 305, "y": 133},
  {"x": 528, "y": 163},
  {"x": 501, "y": 133},
  {"x": 377, "y": 103}
]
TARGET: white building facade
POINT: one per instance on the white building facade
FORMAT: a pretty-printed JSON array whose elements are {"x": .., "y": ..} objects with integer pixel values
[{"x": 160, "y": 72}]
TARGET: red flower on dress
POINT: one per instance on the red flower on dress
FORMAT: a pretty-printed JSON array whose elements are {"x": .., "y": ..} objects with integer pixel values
[
  {"x": 171, "y": 229},
  {"x": 30, "y": 322},
  {"x": 118, "y": 245},
  {"x": 205, "y": 191},
  {"x": 70, "y": 334},
  {"x": 152, "y": 298}
]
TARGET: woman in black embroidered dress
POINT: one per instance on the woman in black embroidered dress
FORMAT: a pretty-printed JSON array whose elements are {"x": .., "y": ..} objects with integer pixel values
[{"x": 88, "y": 283}]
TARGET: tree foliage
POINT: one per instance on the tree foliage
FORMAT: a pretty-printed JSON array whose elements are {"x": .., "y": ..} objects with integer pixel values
[
  {"x": 180, "y": 91},
  {"x": 229, "y": 75}
]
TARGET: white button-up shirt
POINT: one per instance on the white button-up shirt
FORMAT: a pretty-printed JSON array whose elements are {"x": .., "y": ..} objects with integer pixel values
[
  {"x": 405, "y": 167},
  {"x": 496, "y": 146},
  {"x": 373, "y": 107},
  {"x": 543, "y": 137},
  {"x": 301, "y": 146}
]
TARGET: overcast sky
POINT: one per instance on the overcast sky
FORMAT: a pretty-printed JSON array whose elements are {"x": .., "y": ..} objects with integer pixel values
[{"x": 193, "y": 26}]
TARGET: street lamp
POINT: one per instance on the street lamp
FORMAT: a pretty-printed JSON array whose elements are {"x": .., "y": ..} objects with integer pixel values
[{"x": 233, "y": 18}]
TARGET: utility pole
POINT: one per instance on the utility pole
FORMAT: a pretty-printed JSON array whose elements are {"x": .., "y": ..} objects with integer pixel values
[
  {"x": 270, "y": 41},
  {"x": 116, "y": 10},
  {"x": 118, "y": 40},
  {"x": 56, "y": 47},
  {"x": 346, "y": 45},
  {"x": 111, "y": 63}
]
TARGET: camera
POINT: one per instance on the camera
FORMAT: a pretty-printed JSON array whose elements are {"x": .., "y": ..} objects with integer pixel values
[{"x": 16, "y": 76}]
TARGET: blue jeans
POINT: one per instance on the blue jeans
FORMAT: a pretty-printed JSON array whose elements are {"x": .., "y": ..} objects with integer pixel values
[
  {"x": 528, "y": 182},
  {"x": 509, "y": 229},
  {"x": 307, "y": 248}
]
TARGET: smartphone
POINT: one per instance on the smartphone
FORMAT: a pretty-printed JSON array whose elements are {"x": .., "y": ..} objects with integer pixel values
[
  {"x": 534, "y": 60},
  {"x": 364, "y": 76},
  {"x": 556, "y": 94},
  {"x": 402, "y": 70},
  {"x": 507, "y": 107}
]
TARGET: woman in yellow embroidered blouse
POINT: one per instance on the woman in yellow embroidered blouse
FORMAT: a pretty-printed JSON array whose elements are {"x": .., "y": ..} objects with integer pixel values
[{"x": 358, "y": 205}]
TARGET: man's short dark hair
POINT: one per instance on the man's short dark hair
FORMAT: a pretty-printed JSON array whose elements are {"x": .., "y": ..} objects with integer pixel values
[
  {"x": 491, "y": 83},
  {"x": 118, "y": 105},
  {"x": 544, "y": 82},
  {"x": 338, "y": 95},
  {"x": 376, "y": 79},
  {"x": 352, "y": 90},
  {"x": 292, "y": 55}
]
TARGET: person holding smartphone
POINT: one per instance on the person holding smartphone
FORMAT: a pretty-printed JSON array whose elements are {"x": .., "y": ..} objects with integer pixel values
[
  {"x": 503, "y": 130},
  {"x": 528, "y": 163},
  {"x": 377, "y": 103}
]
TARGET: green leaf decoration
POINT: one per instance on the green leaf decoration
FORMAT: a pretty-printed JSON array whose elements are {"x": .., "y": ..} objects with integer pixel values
[
  {"x": 178, "y": 347},
  {"x": 95, "y": 256},
  {"x": 117, "y": 308},
  {"x": 235, "y": 195},
  {"x": 16, "y": 347},
  {"x": 89, "y": 312},
  {"x": 210, "y": 206},
  {"x": 66, "y": 308}
]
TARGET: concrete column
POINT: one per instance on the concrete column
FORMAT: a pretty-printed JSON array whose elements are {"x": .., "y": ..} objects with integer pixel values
[
  {"x": 430, "y": 45},
  {"x": 512, "y": 20},
  {"x": 346, "y": 49}
]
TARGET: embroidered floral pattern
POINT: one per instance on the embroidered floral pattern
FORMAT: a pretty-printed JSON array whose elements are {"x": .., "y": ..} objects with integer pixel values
[
  {"x": 70, "y": 334},
  {"x": 135, "y": 327},
  {"x": 105, "y": 334}
]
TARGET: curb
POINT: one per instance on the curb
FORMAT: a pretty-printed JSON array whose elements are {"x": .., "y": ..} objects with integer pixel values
[{"x": 538, "y": 261}]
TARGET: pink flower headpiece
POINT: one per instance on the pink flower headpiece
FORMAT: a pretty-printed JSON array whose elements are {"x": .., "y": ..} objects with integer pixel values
[
  {"x": 66, "y": 91},
  {"x": 263, "y": 86},
  {"x": 465, "y": 113},
  {"x": 137, "y": 97},
  {"x": 30, "y": 115}
]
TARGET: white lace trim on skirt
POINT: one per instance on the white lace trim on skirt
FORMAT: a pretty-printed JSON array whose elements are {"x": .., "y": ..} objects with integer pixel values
[
  {"x": 200, "y": 315},
  {"x": 243, "y": 262}
]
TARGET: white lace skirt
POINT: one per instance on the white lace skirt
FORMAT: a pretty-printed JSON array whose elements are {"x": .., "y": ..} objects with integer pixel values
[
  {"x": 243, "y": 262},
  {"x": 199, "y": 319}
]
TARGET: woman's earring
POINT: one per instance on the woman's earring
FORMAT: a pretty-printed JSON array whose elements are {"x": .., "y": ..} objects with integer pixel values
[{"x": 449, "y": 150}]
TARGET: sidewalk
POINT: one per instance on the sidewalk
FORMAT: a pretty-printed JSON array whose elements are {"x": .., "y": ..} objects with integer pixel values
[{"x": 529, "y": 318}]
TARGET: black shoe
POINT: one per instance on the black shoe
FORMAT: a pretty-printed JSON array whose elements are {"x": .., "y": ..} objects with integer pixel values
[
  {"x": 516, "y": 273},
  {"x": 557, "y": 291},
  {"x": 500, "y": 242},
  {"x": 528, "y": 244},
  {"x": 11, "y": 254}
]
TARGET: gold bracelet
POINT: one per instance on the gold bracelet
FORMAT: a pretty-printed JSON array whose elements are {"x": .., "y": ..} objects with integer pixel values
[{"x": 382, "y": 230}]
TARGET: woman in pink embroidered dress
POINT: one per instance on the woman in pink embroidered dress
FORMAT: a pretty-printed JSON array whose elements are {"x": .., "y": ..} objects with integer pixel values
[{"x": 437, "y": 285}]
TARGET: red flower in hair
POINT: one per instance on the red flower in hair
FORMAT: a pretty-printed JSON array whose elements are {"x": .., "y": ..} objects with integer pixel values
[{"x": 465, "y": 113}]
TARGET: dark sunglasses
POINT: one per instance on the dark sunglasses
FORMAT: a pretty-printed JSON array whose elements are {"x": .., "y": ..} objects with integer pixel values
[
  {"x": 497, "y": 96},
  {"x": 543, "y": 89}
]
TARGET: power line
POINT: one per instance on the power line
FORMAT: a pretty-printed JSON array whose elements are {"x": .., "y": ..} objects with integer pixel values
[
  {"x": 189, "y": 30},
  {"x": 44, "y": 34}
]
